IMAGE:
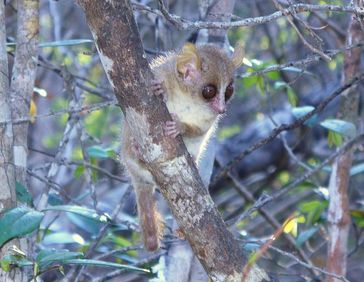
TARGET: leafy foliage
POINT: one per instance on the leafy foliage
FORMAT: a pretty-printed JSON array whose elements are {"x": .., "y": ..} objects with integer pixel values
[{"x": 18, "y": 222}]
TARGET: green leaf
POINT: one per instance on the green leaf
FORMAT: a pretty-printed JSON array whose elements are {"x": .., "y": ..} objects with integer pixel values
[
  {"x": 18, "y": 222},
  {"x": 279, "y": 85},
  {"x": 86, "y": 212},
  {"x": 79, "y": 171},
  {"x": 299, "y": 112},
  {"x": 292, "y": 98},
  {"x": 357, "y": 213},
  {"x": 260, "y": 85},
  {"x": 309, "y": 206},
  {"x": 358, "y": 217},
  {"x": 23, "y": 195},
  {"x": 273, "y": 75},
  {"x": 342, "y": 127},
  {"x": 251, "y": 247},
  {"x": 334, "y": 139},
  {"x": 249, "y": 82},
  {"x": 10, "y": 260},
  {"x": 357, "y": 169},
  {"x": 59, "y": 43},
  {"x": 54, "y": 199},
  {"x": 69, "y": 42},
  {"x": 313, "y": 209},
  {"x": 306, "y": 235},
  {"x": 98, "y": 152},
  {"x": 93, "y": 262},
  {"x": 49, "y": 256},
  {"x": 63, "y": 238},
  {"x": 297, "y": 70}
]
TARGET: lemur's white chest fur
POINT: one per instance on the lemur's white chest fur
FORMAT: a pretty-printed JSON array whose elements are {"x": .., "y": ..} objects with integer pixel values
[{"x": 195, "y": 113}]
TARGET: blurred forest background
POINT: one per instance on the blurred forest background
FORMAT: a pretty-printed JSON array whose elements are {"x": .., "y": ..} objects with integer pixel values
[{"x": 83, "y": 197}]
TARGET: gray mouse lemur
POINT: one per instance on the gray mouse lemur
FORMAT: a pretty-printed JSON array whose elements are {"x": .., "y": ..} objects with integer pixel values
[{"x": 196, "y": 83}]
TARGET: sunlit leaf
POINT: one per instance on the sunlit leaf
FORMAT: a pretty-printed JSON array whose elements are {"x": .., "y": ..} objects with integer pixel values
[
  {"x": 63, "y": 238},
  {"x": 93, "y": 262},
  {"x": 247, "y": 62},
  {"x": 40, "y": 91},
  {"x": 323, "y": 191},
  {"x": 32, "y": 110},
  {"x": 86, "y": 212},
  {"x": 290, "y": 225}
]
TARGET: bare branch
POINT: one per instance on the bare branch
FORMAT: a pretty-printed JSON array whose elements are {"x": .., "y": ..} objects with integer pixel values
[{"x": 184, "y": 24}]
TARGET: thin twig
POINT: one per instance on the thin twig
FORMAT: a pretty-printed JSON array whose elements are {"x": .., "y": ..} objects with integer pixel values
[{"x": 303, "y": 39}]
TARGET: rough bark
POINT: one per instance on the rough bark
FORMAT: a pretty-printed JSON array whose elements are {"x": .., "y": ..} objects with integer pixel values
[
  {"x": 7, "y": 176},
  {"x": 8, "y": 172},
  {"x": 14, "y": 141},
  {"x": 121, "y": 52},
  {"x": 22, "y": 80},
  {"x": 182, "y": 264},
  {"x": 338, "y": 213}
]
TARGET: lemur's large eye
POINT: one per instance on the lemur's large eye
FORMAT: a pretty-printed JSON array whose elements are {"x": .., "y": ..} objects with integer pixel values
[
  {"x": 209, "y": 91},
  {"x": 229, "y": 91}
]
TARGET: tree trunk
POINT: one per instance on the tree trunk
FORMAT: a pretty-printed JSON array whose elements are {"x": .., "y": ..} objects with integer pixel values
[
  {"x": 339, "y": 213},
  {"x": 116, "y": 36},
  {"x": 13, "y": 140}
]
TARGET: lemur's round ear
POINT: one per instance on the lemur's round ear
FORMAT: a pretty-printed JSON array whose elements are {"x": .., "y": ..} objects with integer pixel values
[
  {"x": 238, "y": 55},
  {"x": 188, "y": 60}
]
